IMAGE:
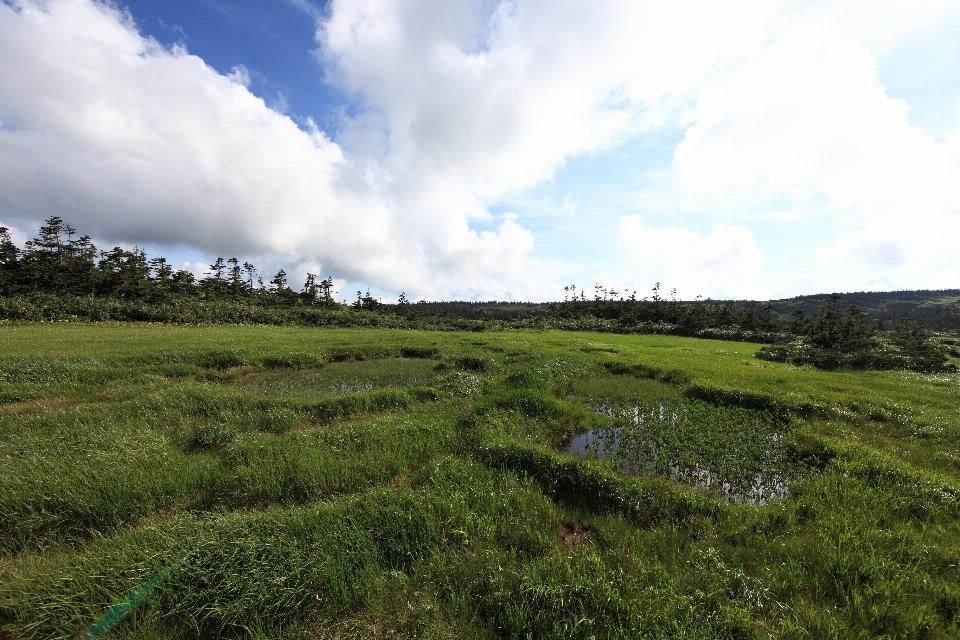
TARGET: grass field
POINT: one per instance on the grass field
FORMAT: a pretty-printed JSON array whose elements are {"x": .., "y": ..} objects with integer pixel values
[{"x": 338, "y": 483}]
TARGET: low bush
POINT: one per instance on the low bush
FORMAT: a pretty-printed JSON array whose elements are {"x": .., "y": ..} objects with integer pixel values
[
  {"x": 531, "y": 402},
  {"x": 472, "y": 363}
]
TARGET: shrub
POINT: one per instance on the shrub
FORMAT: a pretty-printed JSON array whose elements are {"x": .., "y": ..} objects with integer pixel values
[
  {"x": 419, "y": 352},
  {"x": 471, "y": 363}
]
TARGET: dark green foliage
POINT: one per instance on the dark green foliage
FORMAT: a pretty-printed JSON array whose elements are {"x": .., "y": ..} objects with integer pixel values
[
  {"x": 366, "y": 302},
  {"x": 123, "y": 274},
  {"x": 471, "y": 363},
  {"x": 212, "y": 436},
  {"x": 738, "y": 398},
  {"x": 372, "y": 352},
  {"x": 525, "y": 378},
  {"x": 833, "y": 339},
  {"x": 808, "y": 451},
  {"x": 913, "y": 352},
  {"x": 57, "y": 261},
  {"x": 419, "y": 352},
  {"x": 293, "y": 360},
  {"x": 530, "y": 402},
  {"x": 670, "y": 376},
  {"x": 9, "y": 266}
]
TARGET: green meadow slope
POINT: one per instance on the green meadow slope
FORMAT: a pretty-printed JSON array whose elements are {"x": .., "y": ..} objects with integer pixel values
[{"x": 356, "y": 483}]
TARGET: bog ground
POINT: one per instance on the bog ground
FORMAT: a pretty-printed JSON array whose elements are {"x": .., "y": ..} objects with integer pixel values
[{"x": 304, "y": 482}]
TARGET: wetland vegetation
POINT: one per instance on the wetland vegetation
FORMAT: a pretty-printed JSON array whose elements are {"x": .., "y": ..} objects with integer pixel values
[
  {"x": 61, "y": 276},
  {"x": 302, "y": 482}
]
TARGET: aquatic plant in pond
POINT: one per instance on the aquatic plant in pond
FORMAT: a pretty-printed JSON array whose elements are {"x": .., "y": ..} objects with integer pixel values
[{"x": 735, "y": 451}]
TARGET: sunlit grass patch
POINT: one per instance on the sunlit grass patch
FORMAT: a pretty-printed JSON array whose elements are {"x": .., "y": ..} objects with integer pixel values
[{"x": 353, "y": 375}]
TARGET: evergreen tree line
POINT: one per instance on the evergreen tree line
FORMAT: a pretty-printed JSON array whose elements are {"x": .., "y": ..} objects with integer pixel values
[
  {"x": 687, "y": 318},
  {"x": 59, "y": 260}
]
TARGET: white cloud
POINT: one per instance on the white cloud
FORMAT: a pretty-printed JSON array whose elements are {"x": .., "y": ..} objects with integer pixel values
[
  {"x": 946, "y": 278},
  {"x": 460, "y": 103},
  {"x": 809, "y": 121},
  {"x": 457, "y": 104},
  {"x": 130, "y": 141},
  {"x": 496, "y": 95},
  {"x": 725, "y": 262},
  {"x": 240, "y": 75}
]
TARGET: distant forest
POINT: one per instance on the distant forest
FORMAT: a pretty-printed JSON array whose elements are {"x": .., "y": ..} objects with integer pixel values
[{"x": 61, "y": 276}]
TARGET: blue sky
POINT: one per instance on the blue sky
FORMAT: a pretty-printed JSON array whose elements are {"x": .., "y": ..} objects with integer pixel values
[
  {"x": 496, "y": 150},
  {"x": 273, "y": 39}
]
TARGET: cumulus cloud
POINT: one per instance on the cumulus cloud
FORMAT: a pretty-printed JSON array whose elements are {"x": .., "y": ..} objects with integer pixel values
[
  {"x": 131, "y": 141},
  {"x": 455, "y": 105},
  {"x": 725, "y": 262},
  {"x": 809, "y": 120},
  {"x": 496, "y": 95}
]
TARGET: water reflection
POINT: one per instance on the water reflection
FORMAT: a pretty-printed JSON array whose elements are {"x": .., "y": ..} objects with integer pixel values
[{"x": 734, "y": 452}]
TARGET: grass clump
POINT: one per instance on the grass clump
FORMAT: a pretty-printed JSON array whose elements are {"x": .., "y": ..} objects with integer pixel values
[
  {"x": 670, "y": 376},
  {"x": 420, "y": 352},
  {"x": 593, "y": 486},
  {"x": 472, "y": 363},
  {"x": 348, "y": 405},
  {"x": 212, "y": 436}
]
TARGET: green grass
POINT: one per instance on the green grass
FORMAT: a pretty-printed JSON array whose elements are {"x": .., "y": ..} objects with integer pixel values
[{"x": 352, "y": 483}]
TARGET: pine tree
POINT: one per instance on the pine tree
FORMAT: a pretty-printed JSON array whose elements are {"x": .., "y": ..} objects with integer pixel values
[
  {"x": 279, "y": 282},
  {"x": 235, "y": 276},
  {"x": 309, "y": 292},
  {"x": 161, "y": 271},
  {"x": 326, "y": 291},
  {"x": 9, "y": 265},
  {"x": 123, "y": 273},
  {"x": 251, "y": 273}
]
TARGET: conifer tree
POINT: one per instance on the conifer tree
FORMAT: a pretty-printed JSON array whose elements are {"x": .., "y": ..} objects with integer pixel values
[
  {"x": 309, "y": 292},
  {"x": 326, "y": 291},
  {"x": 251, "y": 273},
  {"x": 160, "y": 270},
  {"x": 9, "y": 254},
  {"x": 235, "y": 276},
  {"x": 279, "y": 282}
]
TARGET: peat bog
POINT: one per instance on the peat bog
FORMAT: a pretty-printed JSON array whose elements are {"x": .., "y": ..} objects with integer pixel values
[{"x": 357, "y": 483}]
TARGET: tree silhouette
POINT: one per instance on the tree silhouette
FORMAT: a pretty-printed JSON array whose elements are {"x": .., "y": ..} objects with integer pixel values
[{"x": 9, "y": 254}]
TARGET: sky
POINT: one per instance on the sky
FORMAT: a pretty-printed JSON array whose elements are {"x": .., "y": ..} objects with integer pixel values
[{"x": 488, "y": 150}]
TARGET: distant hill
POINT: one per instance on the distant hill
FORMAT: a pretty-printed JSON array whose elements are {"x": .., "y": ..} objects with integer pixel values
[
  {"x": 931, "y": 308},
  {"x": 875, "y": 301}
]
